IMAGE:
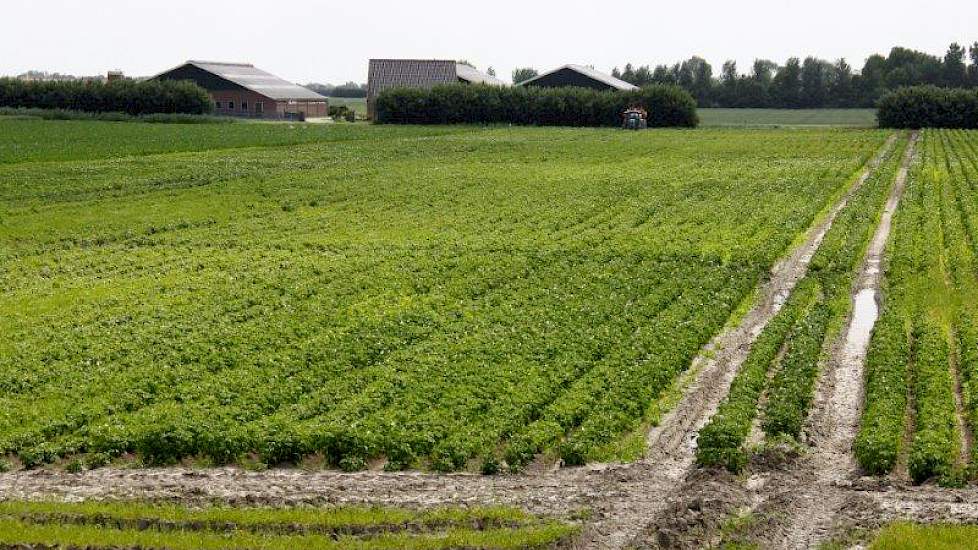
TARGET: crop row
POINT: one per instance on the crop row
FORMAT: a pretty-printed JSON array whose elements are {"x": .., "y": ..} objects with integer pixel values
[
  {"x": 456, "y": 302},
  {"x": 784, "y": 360},
  {"x": 923, "y": 346},
  {"x": 141, "y": 525}
]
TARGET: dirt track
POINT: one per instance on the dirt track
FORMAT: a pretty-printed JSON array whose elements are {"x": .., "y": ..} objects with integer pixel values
[{"x": 636, "y": 503}]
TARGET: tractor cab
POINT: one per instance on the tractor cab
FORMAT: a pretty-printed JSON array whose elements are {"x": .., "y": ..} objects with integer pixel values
[{"x": 635, "y": 118}]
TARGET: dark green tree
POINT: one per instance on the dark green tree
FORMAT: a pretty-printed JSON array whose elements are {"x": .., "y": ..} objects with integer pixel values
[
  {"x": 628, "y": 75},
  {"x": 973, "y": 68},
  {"x": 643, "y": 76},
  {"x": 955, "y": 71},
  {"x": 786, "y": 86},
  {"x": 814, "y": 83},
  {"x": 841, "y": 91},
  {"x": 662, "y": 75},
  {"x": 522, "y": 74},
  {"x": 763, "y": 71}
]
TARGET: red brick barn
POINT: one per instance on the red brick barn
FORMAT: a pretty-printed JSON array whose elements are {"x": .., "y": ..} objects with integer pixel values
[{"x": 242, "y": 90}]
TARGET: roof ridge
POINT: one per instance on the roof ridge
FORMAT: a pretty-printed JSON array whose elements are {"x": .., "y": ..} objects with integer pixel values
[
  {"x": 411, "y": 59},
  {"x": 229, "y": 63}
]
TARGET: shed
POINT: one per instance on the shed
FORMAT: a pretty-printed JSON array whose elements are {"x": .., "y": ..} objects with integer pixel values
[
  {"x": 385, "y": 74},
  {"x": 243, "y": 90},
  {"x": 579, "y": 76}
]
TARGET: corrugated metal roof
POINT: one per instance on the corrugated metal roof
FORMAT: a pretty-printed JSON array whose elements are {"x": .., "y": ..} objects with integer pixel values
[
  {"x": 420, "y": 73},
  {"x": 616, "y": 83},
  {"x": 474, "y": 76},
  {"x": 257, "y": 80}
]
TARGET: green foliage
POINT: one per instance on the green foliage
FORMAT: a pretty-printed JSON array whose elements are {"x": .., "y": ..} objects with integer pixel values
[
  {"x": 799, "y": 330},
  {"x": 929, "y": 107},
  {"x": 931, "y": 292},
  {"x": 788, "y": 118},
  {"x": 143, "y": 525},
  {"x": 792, "y": 387},
  {"x": 720, "y": 442},
  {"x": 935, "y": 441},
  {"x": 126, "y": 96},
  {"x": 523, "y": 74},
  {"x": 880, "y": 437},
  {"x": 466, "y": 104},
  {"x": 432, "y": 297},
  {"x": 161, "y": 118},
  {"x": 814, "y": 83}
]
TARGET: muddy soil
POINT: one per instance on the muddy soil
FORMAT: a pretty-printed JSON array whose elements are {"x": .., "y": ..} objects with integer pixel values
[
  {"x": 792, "y": 499},
  {"x": 661, "y": 500}
]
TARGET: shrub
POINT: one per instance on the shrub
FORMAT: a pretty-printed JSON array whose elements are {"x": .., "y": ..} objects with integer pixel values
[
  {"x": 157, "y": 118},
  {"x": 928, "y": 107},
  {"x": 465, "y": 104},
  {"x": 123, "y": 96}
]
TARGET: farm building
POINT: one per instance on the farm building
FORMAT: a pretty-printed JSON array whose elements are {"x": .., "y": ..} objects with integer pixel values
[
  {"x": 419, "y": 73},
  {"x": 242, "y": 90},
  {"x": 581, "y": 76}
]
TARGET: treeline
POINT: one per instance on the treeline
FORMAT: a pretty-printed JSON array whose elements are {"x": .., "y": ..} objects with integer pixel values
[
  {"x": 812, "y": 82},
  {"x": 120, "y": 96},
  {"x": 467, "y": 104},
  {"x": 350, "y": 89}
]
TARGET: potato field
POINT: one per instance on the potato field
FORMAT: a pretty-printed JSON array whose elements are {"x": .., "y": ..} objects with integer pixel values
[
  {"x": 922, "y": 368},
  {"x": 446, "y": 299}
]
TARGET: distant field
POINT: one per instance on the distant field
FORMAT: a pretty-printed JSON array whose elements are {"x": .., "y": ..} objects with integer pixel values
[
  {"x": 26, "y": 140},
  {"x": 426, "y": 297},
  {"x": 359, "y": 105},
  {"x": 865, "y": 118}
]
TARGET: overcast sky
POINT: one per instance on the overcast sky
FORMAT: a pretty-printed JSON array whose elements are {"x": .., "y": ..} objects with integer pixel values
[{"x": 331, "y": 41}]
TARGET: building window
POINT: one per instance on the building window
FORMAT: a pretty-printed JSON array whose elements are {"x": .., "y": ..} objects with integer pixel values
[
  {"x": 230, "y": 105},
  {"x": 244, "y": 105},
  {"x": 259, "y": 107},
  {"x": 217, "y": 104}
]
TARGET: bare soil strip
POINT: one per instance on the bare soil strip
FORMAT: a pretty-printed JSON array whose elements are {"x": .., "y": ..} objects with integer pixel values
[{"x": 624, "y": 498}]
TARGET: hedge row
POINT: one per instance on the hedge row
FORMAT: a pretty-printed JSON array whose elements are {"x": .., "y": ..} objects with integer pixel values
[
  {"x": 481, "y": 104},
  {"x": 123, "y": 96},
  {"x": 929, "y": 107},
  {"x": 161, "y": 118}
]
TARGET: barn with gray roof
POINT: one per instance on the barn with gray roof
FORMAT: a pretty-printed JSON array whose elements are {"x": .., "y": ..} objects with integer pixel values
[
  {"x": 579, "y": 76},
  {"x": 384, "y": 74},
  {"x": 243, "y": 90}
]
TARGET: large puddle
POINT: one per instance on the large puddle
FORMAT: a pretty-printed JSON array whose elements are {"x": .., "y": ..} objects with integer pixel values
[{"x": 864, "y": 315}]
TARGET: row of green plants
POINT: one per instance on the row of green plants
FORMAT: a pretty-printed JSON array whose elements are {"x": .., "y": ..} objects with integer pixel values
[
  {"x": 466, "y": 290},
  {"x": 925, "y": 336},
  {"x": 127, "y": 524},
  {"x": 721, "y": 442},
  {"x": 929, "y": 107},
  {"x": 936, "y": 440},
  {"x": 483, "y": 104},
  {"x": 783, "y": 362},
  {"x": 124, "y": 96}
]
